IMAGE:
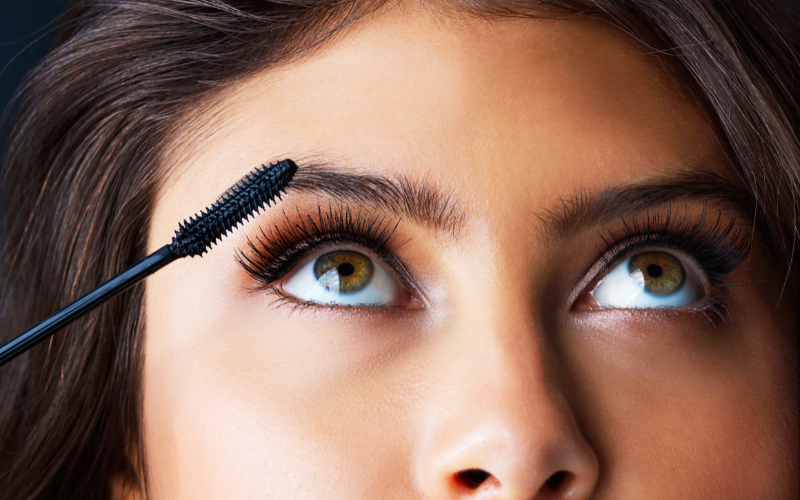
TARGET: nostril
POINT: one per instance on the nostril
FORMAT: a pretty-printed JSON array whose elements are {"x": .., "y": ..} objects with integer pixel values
[
  {"x": 472, "y": 478},
  {"x": 557, "y": 480}
]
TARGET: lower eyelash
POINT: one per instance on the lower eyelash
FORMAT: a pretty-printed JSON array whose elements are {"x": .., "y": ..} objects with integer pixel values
[
  {"x": 274, "y": 252},
  {"x": 283, "y": 300},
  {"x": 713, "y": 310}
]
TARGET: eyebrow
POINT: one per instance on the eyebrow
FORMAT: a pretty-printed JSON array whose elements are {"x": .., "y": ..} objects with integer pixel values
[
  {"x": 584, "y": 210},
  {"x": 415, "y": 200}
]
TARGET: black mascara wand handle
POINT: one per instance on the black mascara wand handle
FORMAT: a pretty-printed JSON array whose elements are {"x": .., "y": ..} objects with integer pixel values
[{"x": 112, "y": 287}]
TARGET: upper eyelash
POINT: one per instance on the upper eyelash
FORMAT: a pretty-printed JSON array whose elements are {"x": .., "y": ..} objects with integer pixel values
[
  {"x": 276, "y": 251},
  {"x": 719, "y": 247}
]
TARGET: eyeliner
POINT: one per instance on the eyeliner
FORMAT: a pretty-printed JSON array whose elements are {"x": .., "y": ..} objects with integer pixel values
[{"x": 194, "y": 237}]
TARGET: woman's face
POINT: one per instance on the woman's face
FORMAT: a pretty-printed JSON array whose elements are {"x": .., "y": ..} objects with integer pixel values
[{"x": 523, "y": 275}]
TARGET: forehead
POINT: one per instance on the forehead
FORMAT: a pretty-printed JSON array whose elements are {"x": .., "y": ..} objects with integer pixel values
[{"x": 533, "y": 107}]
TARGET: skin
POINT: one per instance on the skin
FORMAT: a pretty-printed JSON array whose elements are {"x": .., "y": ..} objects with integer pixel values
[{"x": 500, "y": 364}]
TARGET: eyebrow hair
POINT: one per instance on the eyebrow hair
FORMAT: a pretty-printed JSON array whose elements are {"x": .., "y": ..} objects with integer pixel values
[
  {"x": 416, "y": 200},
  {"x": 584, "y": 210}
]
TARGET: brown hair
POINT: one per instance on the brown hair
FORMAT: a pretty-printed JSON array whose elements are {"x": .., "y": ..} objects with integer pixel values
[{"x": 83, "y": 162}]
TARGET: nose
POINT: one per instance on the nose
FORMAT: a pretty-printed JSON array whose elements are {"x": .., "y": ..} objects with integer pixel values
[{"x": 503, "y": 428}]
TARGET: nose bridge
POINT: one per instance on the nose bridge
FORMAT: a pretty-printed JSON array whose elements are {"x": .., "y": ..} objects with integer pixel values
[
  {"x": 501, "y": 353},
  {"x": 504, "y": 374},
  {"x": 503, "y": 428}
]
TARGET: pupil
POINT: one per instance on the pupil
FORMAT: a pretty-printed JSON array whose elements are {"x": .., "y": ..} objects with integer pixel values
[
  {"x": 348, "y": 269},
  {"x": 653, "y": 270}
]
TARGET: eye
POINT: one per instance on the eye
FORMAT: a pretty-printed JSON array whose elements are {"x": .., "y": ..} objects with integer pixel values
[
  {"x": 648, "y": 280},
  {"x": 344, "y": 277}
]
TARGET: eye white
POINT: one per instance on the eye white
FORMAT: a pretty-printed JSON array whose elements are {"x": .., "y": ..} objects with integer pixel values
[
  {"x": 382, "y": 288},
  {"x": 623, "y": 289}
]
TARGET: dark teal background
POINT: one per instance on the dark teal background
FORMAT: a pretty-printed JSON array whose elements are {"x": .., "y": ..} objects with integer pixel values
[
  {"x": 25, "y": 27},
  {"x": 25, "y": 34}
]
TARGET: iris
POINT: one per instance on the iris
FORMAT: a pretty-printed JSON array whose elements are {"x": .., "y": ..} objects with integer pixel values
[
  {"x": 343, "y": 271},
  {"x": 663, "y": 273}
]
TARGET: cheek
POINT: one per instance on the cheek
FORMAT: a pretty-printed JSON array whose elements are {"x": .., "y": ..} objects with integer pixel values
[
  {"x": 216, "y": 431},
  {"x": 204, "y": 440},
  {"x": 241, "y": 402},
  {"x": 681, "y": 409},
  {"x": 221, "y": 433}
]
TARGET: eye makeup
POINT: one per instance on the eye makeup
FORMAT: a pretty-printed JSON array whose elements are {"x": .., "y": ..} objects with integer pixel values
[
  {"x": 277, "y": 250},
  {"x": 700, "y": 251},
  {"x": 715, "y": 247},
  {"x": 719, "y": 245}
]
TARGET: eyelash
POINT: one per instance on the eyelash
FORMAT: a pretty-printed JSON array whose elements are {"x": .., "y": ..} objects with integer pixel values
[
  {"x": 718, "y": 247},
  {"x": 276, "y": 251}
]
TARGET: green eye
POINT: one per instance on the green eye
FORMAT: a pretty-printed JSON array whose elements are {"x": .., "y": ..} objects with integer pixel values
[
  {"x": 663, "y": 273},
  {"x": 343, "y": 271}
]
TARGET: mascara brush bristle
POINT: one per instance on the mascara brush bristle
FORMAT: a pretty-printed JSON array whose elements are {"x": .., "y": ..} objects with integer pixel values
[{"x": 246, "y": 198}]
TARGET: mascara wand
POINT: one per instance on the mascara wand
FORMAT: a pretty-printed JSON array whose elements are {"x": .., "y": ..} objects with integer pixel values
[{"x": 192, "y": 238}]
